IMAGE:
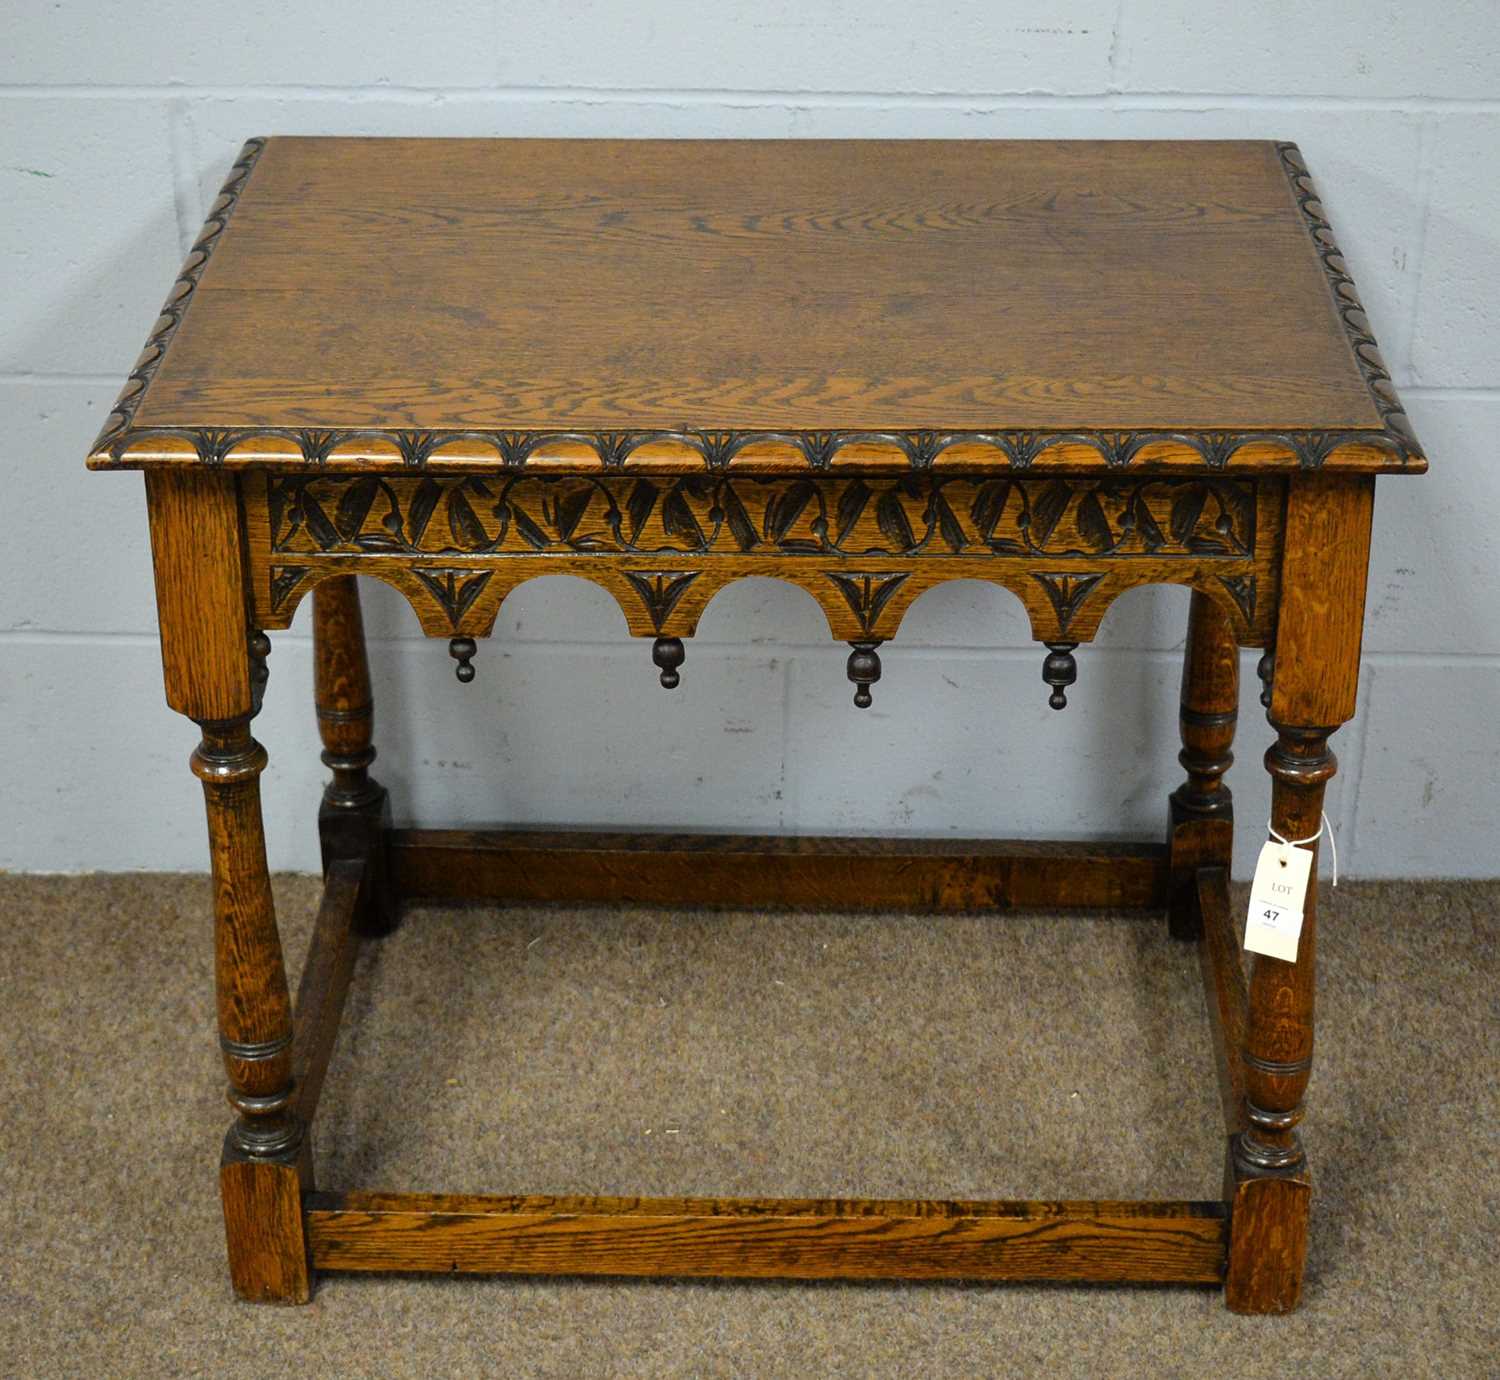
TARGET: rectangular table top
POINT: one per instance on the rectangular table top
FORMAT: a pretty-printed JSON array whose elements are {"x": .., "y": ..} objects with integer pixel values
[{"x": 774, "y": 305}]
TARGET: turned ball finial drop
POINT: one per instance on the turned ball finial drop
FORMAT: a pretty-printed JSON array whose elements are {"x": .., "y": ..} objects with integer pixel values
[
  {"x": 864, "y": 671},
  {"x": 462, "y": 650},
  {"x": 260, "y": 672},
  {"x": 1265, "y": 668},
  {"x": 668, "y": 654},
  {"x": 1059, "y": 671}
]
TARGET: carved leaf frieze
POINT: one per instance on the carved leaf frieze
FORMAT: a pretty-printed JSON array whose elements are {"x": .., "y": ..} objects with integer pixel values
[{"x": 702, "y": 514}]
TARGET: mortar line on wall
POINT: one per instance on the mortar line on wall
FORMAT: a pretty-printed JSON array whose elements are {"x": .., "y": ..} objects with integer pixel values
[
  {"x": 1435, "y": 659},
  {"x": 52, "y": 637},
  {"x": 978, "y": 100},
  {"x": 51, "y": 379},
  {"x": 1451, "y": 394},
  {"x": 1018, "y": 652},
  {"x": 912, "y": 655},
  {"x": 1361, "y": 748},
  {"x": 195, "y": 187},
  {"x": 1114, "y": 47},
  {"x": 498, "y": 43},
  {"x": 784, "y": 778},
  {"x": 1424, "y": 200},
  {"x": 1022, "y": 653},
  {"x": 187, "y": 224}
]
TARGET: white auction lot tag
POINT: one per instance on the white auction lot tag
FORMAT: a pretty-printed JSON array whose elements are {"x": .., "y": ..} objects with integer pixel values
[{"x": 1276, "y": 897}]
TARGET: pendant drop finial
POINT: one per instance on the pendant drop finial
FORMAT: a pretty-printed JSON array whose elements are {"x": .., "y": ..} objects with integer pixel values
[
  {"x": 864, "y": 671},
  {"x": 668, "y": 654},
  {"x": 462, "y": 650},
  {"x": 1059, "y": 670},
  {"x": 260, "y": 672},
  {"x": 1265, "y": 668}
]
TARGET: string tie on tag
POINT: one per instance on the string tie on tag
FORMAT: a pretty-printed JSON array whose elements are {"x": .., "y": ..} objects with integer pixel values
[{"x": 1324, "y": 827}]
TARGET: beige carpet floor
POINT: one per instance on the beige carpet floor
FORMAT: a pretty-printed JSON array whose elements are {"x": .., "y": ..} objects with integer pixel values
[{"x": 549, "y": 1050}]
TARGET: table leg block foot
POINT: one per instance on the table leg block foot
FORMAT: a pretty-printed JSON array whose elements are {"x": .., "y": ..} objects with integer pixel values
[
  {"x": 263, "y": 1225},
  {"x": 1267, "y": 1244}
]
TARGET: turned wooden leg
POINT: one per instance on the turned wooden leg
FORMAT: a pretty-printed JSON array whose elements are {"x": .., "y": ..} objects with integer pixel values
[
  {"x": 1200, "y": 826},
  {"x": 265, "y": 1167},
  {"x": 213, "y": 667},
  {"x": 356, "y": 812},
  {"x": 1270, "y": 1183},
  {"x": 1311, "y": 684}
]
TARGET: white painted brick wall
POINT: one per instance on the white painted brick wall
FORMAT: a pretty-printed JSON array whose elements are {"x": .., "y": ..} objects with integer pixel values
[{"x": 114, "y": 137}]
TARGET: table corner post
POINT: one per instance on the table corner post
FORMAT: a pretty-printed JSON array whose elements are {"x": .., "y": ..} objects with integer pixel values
[
  {"x": 1270, "y": 1185},
  {"x": 213, "y": 664},
  {"x": 1312, "y": 689},
  {"x": 265, "y": 1227}
]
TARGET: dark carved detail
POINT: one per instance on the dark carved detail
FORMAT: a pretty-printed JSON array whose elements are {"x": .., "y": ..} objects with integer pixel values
[
  {"x": 462, "y": 650},
  {"x": 1060, "y": 670},
  {"x": 284, "y": 579},
  {"x": 1400, "y": 439},
  {"x": 115, "y": 435},
  {"x": 1066, "y": 591},
  {"x": 1003, "y": 451},
  {"x": 1242, "y": 590},
  {"x": 660, "y": 590},
  {"x": 668, "y": 654},
  {"x": 864, "y": 671},
  {"x": 868, "y": 594},
  {"x": 455, "y": 590},
  {"x": 699, "y": 514}
]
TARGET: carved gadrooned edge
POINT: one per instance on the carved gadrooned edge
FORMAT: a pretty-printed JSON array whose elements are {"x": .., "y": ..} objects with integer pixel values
[
  {"x": 1351, "y": 311},
  {"x": 122, "y": 445},
  {"x": 284, "y": 448},
  {"x": 116, "y": 434}
]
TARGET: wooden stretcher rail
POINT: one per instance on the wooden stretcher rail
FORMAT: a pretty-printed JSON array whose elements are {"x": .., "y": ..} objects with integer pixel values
[
  {"x": 1224, "y": 986},
  {"x": 1166, "y": 1242},
  {"x": 325, "y": 983},
  {"x": 746, "y": 870}
]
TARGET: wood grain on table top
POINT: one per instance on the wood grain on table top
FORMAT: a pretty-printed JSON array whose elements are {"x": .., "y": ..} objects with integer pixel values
[{"x": 789, "y": 286}]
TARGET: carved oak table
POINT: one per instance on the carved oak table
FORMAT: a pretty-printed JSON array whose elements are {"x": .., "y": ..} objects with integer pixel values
[{"x": 1065, "y": 368}]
